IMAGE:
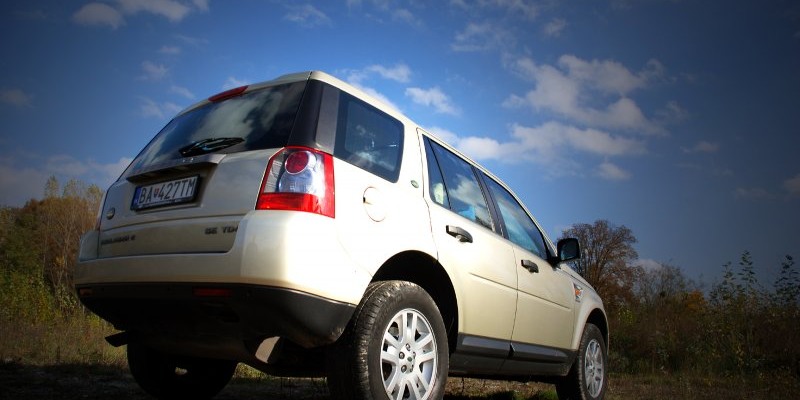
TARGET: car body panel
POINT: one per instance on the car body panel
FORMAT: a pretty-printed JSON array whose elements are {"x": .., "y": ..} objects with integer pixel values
[{"x": 510, "y": 320}]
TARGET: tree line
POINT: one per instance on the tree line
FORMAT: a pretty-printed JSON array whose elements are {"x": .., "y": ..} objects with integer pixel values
[
  {"x": 660, "y": 320},
  {"x": 39, "y": 249}
]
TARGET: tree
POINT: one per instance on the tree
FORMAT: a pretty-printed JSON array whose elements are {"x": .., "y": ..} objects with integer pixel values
[
  {"x": 787, "y": 286},
  {"x": 606, "y": 252},
  {"x": 62, "y": 220}
]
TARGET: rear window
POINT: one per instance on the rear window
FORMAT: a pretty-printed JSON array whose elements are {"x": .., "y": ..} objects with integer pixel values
[
  {"x": 260, "y": 119},
  {"x": 368, "y": 138}
]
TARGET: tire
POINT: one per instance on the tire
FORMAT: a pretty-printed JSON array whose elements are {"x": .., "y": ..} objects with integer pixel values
[
  {"x": 587, "y": 379},
  {"x": 166, "y": 376},
  {"x": 377, "y": 359}
]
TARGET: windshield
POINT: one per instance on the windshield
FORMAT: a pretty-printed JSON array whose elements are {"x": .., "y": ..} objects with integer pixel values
[{"x": 260, "y": 119}]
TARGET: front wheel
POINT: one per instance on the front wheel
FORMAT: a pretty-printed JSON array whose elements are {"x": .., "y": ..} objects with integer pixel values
[
  {"x": 395, "y": 347},
  {"x": 167, "y": 376},
  {"x": 587, "y": 378}
]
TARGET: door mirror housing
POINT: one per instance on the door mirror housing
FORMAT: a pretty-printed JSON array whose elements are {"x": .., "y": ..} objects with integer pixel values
[{"x": 568, "y": 249}]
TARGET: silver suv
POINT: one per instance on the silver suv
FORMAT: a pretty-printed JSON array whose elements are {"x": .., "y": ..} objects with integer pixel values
[{"x": 303, "y": 228}]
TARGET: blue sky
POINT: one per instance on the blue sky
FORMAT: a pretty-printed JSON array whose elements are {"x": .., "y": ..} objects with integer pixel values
[{"x": 678, "y": 119}]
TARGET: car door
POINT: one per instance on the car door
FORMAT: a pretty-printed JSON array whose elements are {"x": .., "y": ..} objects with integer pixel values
[
  {"x": 546, "y": 295},
  {"x": 480, "y": 262}
]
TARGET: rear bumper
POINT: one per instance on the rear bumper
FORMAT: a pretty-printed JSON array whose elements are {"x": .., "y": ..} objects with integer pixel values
[
  {"x": 286, "y": 276},
  {"x": 217, "y": 320}
]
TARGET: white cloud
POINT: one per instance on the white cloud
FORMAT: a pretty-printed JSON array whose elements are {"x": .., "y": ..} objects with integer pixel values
[
  {"x": 522, "y": 8},
  {"x": 307, "y": 16},
  {"x": 153, "y": 71},
  {"x": 608, "y": 76},
  {"x": 444, "y": 134},
  {"x": 482, "y": 37},
  {"x": 404, "y": 15},
  {"x": 527, "y": 9},
  {"x": 484, "y": 148},
  {"x": 554, "y": 27},
  {"x": 170, "y": 9},
  {"x": 19, "y": 183},
  {"x": 552, "y": 138},
  {"x": 551, "y": 145},
  {"x": 792, "y": 185},
  {"x": 702, "y": 147},
  {"x": 201, "y": 5},
  {"x": 752, "y": 193},
  {"x": 192, "y": 41},
  {"x": 152, "y": 109},
  {"x": 612, "y": 172},
  {"x": 572, "y": 89},
  {"x": 16, "y": 97},
  {"x": 400, "y": 72},
  {"x": 648, "y": 264},
  {"x": 182, "y": 91},
  {"x": 376, "y": 94},
  {"x": 98, "y": 14},
  {"x": 233, "y": 82},
  {"x": 113, "y": 15},
  {"x": 171, "y": 50},
  {"x": 672, "y": 113},
  {"x": 432, "y": 97}
]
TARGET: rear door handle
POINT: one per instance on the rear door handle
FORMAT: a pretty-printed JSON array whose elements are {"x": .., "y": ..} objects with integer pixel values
[
  {"x": 530, "y": 266},
  {"x": 459, "y": 233}
]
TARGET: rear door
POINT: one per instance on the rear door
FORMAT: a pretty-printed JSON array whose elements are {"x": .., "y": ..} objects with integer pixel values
[
  {"x": 189, "y": 188},
  {"x": 477, "y": 258}
]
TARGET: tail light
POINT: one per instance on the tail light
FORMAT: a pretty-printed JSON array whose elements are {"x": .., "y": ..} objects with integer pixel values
[
  {"x": 227, "y": 94},
  {"x": 298, "y": 179}
]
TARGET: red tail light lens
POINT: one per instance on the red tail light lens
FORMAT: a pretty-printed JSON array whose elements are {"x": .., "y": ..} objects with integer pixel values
[
  {"x": 298, "y": 161},
  {"x": 227, "y": 94},
  {"x": 299, "y": 179}
]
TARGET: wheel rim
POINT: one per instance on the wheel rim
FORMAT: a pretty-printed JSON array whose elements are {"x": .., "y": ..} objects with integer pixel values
[
  {"x": 408, "y": 356},
  {"x": 593, "y": 368}
]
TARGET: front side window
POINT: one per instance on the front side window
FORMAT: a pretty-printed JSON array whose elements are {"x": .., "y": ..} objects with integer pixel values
[
  {"x": 519, "y": 226},
  {"x": 368, "y": 138},
  {"x": 457, "y": 187}
]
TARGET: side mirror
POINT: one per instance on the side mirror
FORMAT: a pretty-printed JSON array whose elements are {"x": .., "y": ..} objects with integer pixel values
[{"x": 568, "y": 249}]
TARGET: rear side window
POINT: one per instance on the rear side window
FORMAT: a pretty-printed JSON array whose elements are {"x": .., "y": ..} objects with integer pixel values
[
  {"x": 368, "y": 138},
  {"x": 454, "y": 185},
  {"x": 519, "y": 226},
  {"x": 260, "y": 119}
]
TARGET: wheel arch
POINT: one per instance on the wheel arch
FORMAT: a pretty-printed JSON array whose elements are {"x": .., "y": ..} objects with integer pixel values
[
  {"x": 598, "y": 318},
  {"x": 425, "y": 271}
]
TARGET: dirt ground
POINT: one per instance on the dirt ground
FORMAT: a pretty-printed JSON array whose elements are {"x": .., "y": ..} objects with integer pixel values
[
  {"x": 89, "y": 382},
  {"x": 103, "y": 382}
]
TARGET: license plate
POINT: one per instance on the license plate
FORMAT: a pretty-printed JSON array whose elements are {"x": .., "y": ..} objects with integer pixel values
[{"x": 165, "y": 193}]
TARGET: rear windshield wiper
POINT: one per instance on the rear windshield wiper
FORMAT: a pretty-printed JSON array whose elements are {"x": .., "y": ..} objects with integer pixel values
[{"x": 208, "y": 145}]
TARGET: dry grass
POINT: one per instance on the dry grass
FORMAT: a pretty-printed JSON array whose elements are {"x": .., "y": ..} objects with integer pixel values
[
  {"x": 67, "y": 358},
  {"x": 81, "y": 381},
  {"x": 61, "y": 340}
]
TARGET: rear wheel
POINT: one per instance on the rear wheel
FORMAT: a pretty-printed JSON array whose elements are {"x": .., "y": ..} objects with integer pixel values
[
  {"x": 167, "y": 376},
  {"x": 395, "y": 347},
  {"x": 587, "y": 378}
]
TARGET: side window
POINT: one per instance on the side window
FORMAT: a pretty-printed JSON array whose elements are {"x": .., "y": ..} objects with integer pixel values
[
  {"x": 521, "y": 229},
  {"x": 368, "y": 138},
  {"x": 436, "y": 181},
  {"x": 455, "y": 186}
]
